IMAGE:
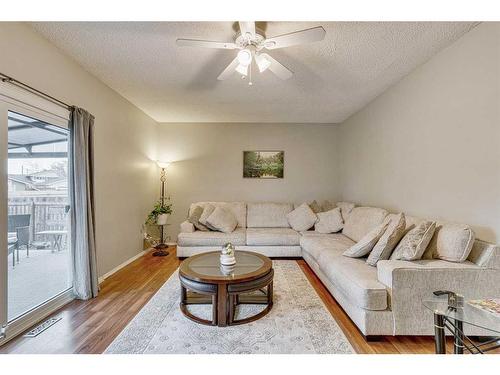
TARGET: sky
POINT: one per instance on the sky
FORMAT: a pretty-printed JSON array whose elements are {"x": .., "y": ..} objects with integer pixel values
[{"x": 25, "y": 166}]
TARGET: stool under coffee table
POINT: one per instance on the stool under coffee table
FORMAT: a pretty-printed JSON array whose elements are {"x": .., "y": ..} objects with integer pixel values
[{"x": 204, "y": 281}]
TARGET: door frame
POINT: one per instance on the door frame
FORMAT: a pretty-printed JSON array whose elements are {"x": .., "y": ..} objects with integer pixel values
[{"x": 17, "y": 100}]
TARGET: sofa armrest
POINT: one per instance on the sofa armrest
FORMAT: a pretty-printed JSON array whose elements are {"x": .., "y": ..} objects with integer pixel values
[
  {"x": 410, "y": 283},
  {"x": 187, "y": 227},
  {"x": 388, "y": 269}
]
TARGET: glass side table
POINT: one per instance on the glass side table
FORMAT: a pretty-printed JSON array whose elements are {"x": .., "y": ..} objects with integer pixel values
[{"x": 453, "y": 319}]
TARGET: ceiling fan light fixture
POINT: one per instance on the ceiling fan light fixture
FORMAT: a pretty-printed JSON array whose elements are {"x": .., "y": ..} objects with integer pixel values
[
  {"x": 249, "y": 43},
  {"x": 262, "y": 62},
  {"x": 242, "y": 69},
  {"x": 245, "y": 57}
]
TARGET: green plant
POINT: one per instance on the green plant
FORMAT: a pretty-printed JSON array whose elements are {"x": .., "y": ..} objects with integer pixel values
[{"x": 158, "y": 209}]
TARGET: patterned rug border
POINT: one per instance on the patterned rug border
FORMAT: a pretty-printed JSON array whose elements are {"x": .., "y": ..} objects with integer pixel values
[{"x": 299, "y": 323}]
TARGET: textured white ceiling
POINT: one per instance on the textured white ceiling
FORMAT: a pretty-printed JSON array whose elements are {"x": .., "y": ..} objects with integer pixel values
[{"x": 333, "y": 78}]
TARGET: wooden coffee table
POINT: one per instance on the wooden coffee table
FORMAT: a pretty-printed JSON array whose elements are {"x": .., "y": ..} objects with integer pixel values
[{"x": 203, "y": 281}]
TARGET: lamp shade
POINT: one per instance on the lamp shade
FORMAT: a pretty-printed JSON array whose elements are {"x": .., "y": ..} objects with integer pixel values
[
  {"x": 163, "y": 164},
  {"x": 242, "y": 69},
  {"x": 262, "y": 62},
  {"x": 245, "y": 57}
]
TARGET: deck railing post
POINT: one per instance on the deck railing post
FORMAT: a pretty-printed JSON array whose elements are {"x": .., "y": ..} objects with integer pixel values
[{"x": 33, "y": 220}]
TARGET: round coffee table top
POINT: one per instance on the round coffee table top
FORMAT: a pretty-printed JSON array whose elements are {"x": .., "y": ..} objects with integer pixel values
[{"x": 206, "y": 267}]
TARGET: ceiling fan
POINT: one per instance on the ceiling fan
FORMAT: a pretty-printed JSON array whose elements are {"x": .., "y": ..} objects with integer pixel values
[{"x": 251, "y": 43}]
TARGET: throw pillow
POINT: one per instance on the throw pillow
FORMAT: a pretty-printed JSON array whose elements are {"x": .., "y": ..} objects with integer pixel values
[
  {"x": 315, "y": 207},
  {"x": 365, "y": 244},
  {"x": 327, "y": 206},
  {"x": 329, "y": 222},
  {"x": 222, "y": 220},
  {"x": 386, "y": 244},
  {"x": 345, "y": 209},
  {"x": 194, "y": 218},
  {"x": 414, "y": 243},
  {"x": 302, "y": 218},
  {"x": 207, "y": 211},
  {"x": 451, "y": 242}
]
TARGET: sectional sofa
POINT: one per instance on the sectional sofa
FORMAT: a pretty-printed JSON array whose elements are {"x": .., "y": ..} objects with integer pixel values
[{"x": 381, "y": 300}]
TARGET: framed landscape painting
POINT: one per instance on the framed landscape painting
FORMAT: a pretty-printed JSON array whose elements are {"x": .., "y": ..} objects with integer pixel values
[{"x": 263, "y": 164}]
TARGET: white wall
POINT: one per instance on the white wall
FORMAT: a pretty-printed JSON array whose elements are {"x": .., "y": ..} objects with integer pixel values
[
  {"x": 124, "y": 142},
  {"x": 209, "y": 163},
  {"x": 430, "y": 145}
]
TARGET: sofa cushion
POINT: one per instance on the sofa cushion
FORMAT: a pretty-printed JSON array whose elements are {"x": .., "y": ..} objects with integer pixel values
[
  {"x": 361, "y": 220},
  {"x": 327, "y": 206},
  {"x": 345, "y": 208},
  {"x": 366, "y": 244},
  {"x": 315, "y": 207},
  {"x": 272, "y": 237},
  {"x": 239, "y": 210},
  {"x": 268, "y": 215},
  {"x": 411, "y": 221},
  {"x": 222, "y": 220},
  {"x": 451, "y": 241},
  {"x": 389, "y": 240},
  {"x": 312, "y": 232},
  {"x": 187, "y": 227},
  {"x": 414, "y": 243},
  {"x": 302, "y": 218},
  {"x": 315, "y": 243},
  {"x": 199, "y": 238},
  {"x": 194, "y": 218},
  {"x": 329, "y": 221},
  {"x": 356, "y": 279}
]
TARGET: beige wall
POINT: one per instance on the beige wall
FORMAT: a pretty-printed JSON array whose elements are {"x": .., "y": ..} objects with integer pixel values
[
  {"x": 124, "y": 145},
  {"x": 430, "y": 145},
  {"x": 209, "y": 163}
]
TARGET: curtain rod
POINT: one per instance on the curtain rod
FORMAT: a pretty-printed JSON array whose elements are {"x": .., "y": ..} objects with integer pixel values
[{"x": 15, "y": 82}]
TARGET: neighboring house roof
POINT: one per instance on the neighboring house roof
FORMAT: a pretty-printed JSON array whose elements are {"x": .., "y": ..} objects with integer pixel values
[
  {"x": 45, "y": 173},
  {"x": 61, "y": 183},
  {"x": 22, "y": 179},
  {"x": 47, "y": 179},
  {"x": 50, "y": 183}
]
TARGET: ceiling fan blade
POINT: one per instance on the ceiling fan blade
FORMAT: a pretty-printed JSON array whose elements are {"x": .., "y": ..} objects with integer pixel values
[
  {"x": 278, "y": 68},
  {"x": 205, "y": 44},
  {"x": 247, "y": 28},
  {"x": 226, "y": 73},
  {"x": 297, "y": 37}
]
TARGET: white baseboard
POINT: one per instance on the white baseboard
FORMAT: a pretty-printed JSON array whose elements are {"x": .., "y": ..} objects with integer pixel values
[{"x": 120, "y": 266}]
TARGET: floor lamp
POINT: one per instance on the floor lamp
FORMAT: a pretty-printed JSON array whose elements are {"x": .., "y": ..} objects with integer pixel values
[{"x": 160, "y": 248}]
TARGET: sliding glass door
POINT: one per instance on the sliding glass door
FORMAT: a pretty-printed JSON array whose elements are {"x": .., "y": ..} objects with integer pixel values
[
  {"x": 36, "y": 261},
  {"x": 39, "y": 263}
]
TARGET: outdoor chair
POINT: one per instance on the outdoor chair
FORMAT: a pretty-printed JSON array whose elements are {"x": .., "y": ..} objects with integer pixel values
[
  {"x": 16, "y": 221},
  {"x": 19, "y": 235},
  {"x": 12, "y": 247},
  {"x": 23, "y": 239}
]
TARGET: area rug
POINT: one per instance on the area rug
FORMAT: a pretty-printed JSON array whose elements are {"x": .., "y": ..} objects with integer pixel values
[{"x": 298, "y": 323}]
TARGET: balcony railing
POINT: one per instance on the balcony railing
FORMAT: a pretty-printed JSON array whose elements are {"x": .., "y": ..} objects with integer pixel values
[{"x": 47, "y": 213}]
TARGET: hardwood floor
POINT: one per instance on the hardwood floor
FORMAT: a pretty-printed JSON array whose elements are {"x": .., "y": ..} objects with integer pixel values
[
  {"x": 387, "y": 345},
  {"x": 90, "y": 326}
]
